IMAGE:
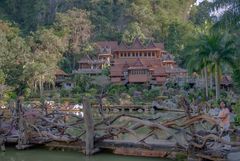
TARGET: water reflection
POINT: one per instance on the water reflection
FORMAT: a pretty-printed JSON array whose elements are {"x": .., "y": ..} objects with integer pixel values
[{"x": 45, "y": 155}]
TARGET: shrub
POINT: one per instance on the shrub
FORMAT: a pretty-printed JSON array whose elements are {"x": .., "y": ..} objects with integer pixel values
[
  {"x": 236, "y": 109},
  {"x": 65, "y": 93},
  {"x": 116, "y": 89}
]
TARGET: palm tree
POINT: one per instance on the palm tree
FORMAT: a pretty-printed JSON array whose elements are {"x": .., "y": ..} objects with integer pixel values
[
  {"x": 214, "y": 48},
  {"x": 197, "y": 60},
  {"x": 221, "y": 51}
]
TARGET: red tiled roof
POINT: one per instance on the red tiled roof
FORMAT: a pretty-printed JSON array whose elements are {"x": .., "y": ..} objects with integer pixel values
[
  {"x": 146, "y": 62},
  {"x": 107, "y": 44},
  {"x": 151, "y": 44},
  {"x": 123, "y": 46},
  {"x": 160, "y": 71},
  {"x": 115, "y": 80},
  {"x": 136, "y": 44},
  {"x": 161, "y": 79},
  {"x": 125, "y": 66},
  {"x": 88, "y": 59},
  {"x": 60, "y": 72},
  {"x": 138, "y": 65},
  {"x": 175, "y": 70},
  {"x": 159, "y": 45},
  {"x": 226, "y": 80},
  {"x": 116, "y": 70},
  {"x": 85, "y": 59}
]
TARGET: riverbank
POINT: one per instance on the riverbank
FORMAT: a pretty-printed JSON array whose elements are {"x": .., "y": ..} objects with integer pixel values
[{"x": 12, "y": 154}]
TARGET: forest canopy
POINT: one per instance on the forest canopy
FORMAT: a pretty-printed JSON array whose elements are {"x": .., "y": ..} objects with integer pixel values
[{"x": 38, "y": 37}]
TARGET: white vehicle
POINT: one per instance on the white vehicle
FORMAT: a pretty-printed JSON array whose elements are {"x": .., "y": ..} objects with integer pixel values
[
  {"x": 3, "y": 107},
  {"x": 77, "y": 106},
  {"x": 79, "y": 114}
]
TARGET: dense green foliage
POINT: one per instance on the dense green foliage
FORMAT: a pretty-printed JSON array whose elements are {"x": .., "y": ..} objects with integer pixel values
[
  {"x": 121, "y": 20},
  {"x": 211, "y": 50},
  {"x": 37, "y": 37}
]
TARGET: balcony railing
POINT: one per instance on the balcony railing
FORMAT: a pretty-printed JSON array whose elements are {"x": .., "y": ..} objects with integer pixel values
[{"x": 88, "y": 71}]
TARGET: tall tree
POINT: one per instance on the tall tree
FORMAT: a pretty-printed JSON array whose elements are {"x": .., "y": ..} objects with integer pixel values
[
  {"x": 76, "y": 27},
  {"x": 201, "y": 13},
  {"x": 219, "y": 49},
  {"x": 13, "y": 56},
  {"x": 46, "y": 52},
  {"x": 231, "y": 12}
]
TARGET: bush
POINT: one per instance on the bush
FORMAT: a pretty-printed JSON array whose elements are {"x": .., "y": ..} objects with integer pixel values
[
  {"x": 106, "y": 71},
  {"x": 236, "y": 110},
  {"x": 172, "y": 84},
  {"x": 116, "y": 89},
  {"x": 69, "y": 100},
  {"x": 186, "y": 86},
  {"x": 76, "y": 90},
  {"x": 65, "y": 93},
  {"x": 151, "y": 94}
]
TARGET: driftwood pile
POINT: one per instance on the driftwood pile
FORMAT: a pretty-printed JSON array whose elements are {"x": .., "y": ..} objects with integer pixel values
[{"x": 197, "y": 135}]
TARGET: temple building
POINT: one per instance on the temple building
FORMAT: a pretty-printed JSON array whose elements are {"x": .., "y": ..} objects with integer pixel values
[
  {"x": 63, "y": 80},
  {"x": 135, "y": 63},
  {"x": 90, "y": 66}
]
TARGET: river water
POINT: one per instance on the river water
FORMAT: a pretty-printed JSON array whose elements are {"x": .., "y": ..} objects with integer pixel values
[{"x": 46, "y": 155}]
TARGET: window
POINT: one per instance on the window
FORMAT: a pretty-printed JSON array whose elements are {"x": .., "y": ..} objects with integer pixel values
[
  {"x": 125, "y": 54},
  {"x": 136, "y": 54},
  {"x": 68, "y": 84},
  {"x": 149, "y": 54},
  {"x": 145, "y": 54},
  {"x": 133, "y": 54},
  {"x": 121, "y": 54},
  {"x": 140, "y": 54},
  {"x": 129, "y": 54}
]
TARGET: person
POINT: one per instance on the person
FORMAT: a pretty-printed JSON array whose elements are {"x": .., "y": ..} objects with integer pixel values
[{"x": 224, "y": 119}]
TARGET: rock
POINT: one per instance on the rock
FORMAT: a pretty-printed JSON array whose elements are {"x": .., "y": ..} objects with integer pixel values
[
  {"x": 169, "y": 104},
  {"x": 115, "y": 110},
  {"x": 125, "y": 99},
  {"x": 137, "y": 94},
  {"x": 214, "y": 112},
  {"x": 233, "y": 156}
]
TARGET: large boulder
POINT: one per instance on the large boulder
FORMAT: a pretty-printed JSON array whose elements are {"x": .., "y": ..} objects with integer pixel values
[
  {"x": 137, "y": 94},
  {"x": 235, "y": 156}
]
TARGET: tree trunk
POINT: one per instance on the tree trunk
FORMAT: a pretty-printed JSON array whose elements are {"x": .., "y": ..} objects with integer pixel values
[
  {"x": 88, "y": 120},
  {"x": 22, "y": 138},
  {"x": 211, "y": 80},
  {"x": 74, "y": 62},
  {"x": 202, "y": 79},
  {"x": 40, "y": 87},
  {"x": 206, "y": 81},
  {"x": 217, "y": 80}
]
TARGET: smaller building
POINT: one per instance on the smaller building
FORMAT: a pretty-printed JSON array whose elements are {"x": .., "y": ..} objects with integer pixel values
[
  {"x": 63, "y": 80},
  {"x": 226, "y": 82},
  {"x": 105, "y": 50},
  {"x": 87, "y": 65}
]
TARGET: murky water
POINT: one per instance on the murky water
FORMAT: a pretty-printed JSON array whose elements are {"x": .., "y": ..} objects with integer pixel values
[{"x": 46, "y": 155}]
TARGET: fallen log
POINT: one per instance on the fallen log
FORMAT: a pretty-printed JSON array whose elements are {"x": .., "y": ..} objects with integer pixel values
[{"x": 154, "y": 145}]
